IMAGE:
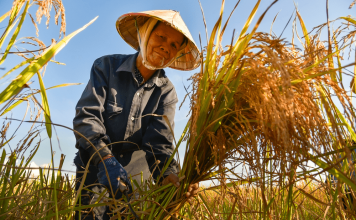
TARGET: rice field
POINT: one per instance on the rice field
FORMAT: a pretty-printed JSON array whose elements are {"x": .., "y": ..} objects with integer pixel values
[{"x": 262, "y": 110}]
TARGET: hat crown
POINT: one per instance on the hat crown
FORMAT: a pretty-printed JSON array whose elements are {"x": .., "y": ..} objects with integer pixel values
[
  {"x": 125, "y": 25},
  {"x": 173, "y": 17}
]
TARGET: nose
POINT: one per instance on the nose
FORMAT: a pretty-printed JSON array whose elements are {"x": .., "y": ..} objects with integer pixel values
[{"x": 164, "y": 48}]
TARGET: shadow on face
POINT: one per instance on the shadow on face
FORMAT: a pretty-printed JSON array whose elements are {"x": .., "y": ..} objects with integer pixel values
[{"x": 163, "y": 44}]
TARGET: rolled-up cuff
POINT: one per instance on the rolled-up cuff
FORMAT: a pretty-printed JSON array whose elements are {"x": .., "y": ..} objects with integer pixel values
[
  {"x": 100, "y": 142},
  {"x": 100, "y": 148},
  {"x": 169, "y": 171}
]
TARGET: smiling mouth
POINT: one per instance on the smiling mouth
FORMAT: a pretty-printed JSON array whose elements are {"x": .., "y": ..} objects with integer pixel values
[{"x": 160, "y": 55}]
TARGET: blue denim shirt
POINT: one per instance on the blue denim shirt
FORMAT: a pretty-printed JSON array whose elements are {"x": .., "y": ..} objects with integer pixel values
[{"x": 114, "y": 107}]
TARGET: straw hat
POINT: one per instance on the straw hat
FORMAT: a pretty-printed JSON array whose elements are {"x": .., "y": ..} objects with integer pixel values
[{"x": 127, "y": 29}]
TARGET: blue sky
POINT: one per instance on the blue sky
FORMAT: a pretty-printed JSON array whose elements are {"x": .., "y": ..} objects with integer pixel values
[{"x": 101, "y": 38}]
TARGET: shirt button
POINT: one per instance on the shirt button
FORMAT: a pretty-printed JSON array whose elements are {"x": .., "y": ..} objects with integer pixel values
[
  {"x": 138, "y": 94},
  {"x": 121, "y": 155},
  {"x": 132, "y": 118}
]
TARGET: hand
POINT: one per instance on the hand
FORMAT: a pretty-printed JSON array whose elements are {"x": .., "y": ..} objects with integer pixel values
[
  {"x": 174, "y": 179},
  {"x": 171, "y": 178},
  {"x": 117, "y": 176},
  {"x": 192, "y": 191}
]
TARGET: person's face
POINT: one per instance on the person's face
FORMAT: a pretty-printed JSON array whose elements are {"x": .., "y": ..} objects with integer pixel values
[{"x": 163, "y": 44}]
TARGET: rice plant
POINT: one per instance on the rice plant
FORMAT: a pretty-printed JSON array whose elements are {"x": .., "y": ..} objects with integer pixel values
[
  {"x": 36, "y": 62},
  {"x": 22, "y": 196},
  {"x": 270, "y": 107}
]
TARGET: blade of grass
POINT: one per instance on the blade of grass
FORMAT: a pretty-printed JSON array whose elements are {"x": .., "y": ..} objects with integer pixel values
[
  {"x": 16, "y": 85},
  {"x": 18, "y": 66},
  {"x": 349, "y": 20},
  {"x": 206, "y": 206},
  {"x": 8, "y": 109},
  {"x": 304, "y": 29},
  {"x": 4, "y": 16},
  {"x": 330, "y": 59},
  {"x": 15, "y": 34},
  {"x": 45, "y": 106}
]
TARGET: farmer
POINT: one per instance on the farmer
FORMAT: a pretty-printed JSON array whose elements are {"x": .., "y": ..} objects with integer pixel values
[{"x": 120, "y": 111}]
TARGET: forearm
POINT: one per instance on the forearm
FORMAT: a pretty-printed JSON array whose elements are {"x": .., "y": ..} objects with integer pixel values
[
  {"x": 88, "y": 121},
  {"x": 92, "y": 138}
]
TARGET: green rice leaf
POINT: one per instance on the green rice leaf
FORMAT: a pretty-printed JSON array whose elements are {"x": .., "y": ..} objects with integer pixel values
[
  {"x": 304, "y": 28},
  {"x": 13, "y": 13},
  {"x": 339, "y": 175},
  {"x": 17, "y": 84},
  {"x": 7, "y": 31},
  {"x": 14, "y": 36},
  {"x": 337, "y": 55},
  {"x": 207, "y": 207},
  {"x": 28, "y": 96},
  {"x": 4, "y": 16},
  {"x": 296, "y": 81},
  {"x": 349, "y": 20},
  {"x": 346, "y": 124},
  {"x": 18, "y": 66},
  {"x": 250, "y": 18},
  {"x": 45, "y": 106}
]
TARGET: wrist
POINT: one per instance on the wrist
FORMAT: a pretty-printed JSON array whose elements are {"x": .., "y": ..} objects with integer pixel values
[{"x": 106, "y": 157}]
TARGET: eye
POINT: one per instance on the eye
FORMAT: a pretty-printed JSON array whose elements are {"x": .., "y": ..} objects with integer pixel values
[
  {"x": 159, "y": 35},
  {"x": 174, "y": 46}
]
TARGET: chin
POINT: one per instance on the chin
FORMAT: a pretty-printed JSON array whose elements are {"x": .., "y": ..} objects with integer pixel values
[{"x": 156, "y": 63}]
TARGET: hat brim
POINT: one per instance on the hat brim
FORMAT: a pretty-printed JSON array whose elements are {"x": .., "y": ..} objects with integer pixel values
[{"x": 125, "y": 25}]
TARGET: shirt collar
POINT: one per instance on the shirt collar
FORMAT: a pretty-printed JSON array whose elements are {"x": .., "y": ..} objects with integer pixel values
[{"x": 159, "y": 78}]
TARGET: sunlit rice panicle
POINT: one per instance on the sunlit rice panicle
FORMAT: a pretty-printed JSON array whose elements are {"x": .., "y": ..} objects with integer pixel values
[
  {"x": 34, "y": 23},
  {"x": 44, "y": 9},
  {"x": 38, "y": 41},
  {"x": 352, "y": 4}
]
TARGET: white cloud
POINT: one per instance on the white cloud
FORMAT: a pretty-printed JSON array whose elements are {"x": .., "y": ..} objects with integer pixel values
[{"x": 36, "y": 172}]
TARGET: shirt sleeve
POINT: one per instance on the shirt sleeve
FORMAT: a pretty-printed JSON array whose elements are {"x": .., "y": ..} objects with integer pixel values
[
  {"x": 88, "y": 119},
  {"x": 157, "y": 141}
]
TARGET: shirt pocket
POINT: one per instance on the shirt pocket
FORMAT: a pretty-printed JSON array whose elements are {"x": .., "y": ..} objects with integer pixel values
[{"x": 113, "y": 109}]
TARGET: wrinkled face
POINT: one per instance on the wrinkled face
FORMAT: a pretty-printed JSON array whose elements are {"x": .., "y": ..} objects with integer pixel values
[{"x": 163, "y": 44}]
